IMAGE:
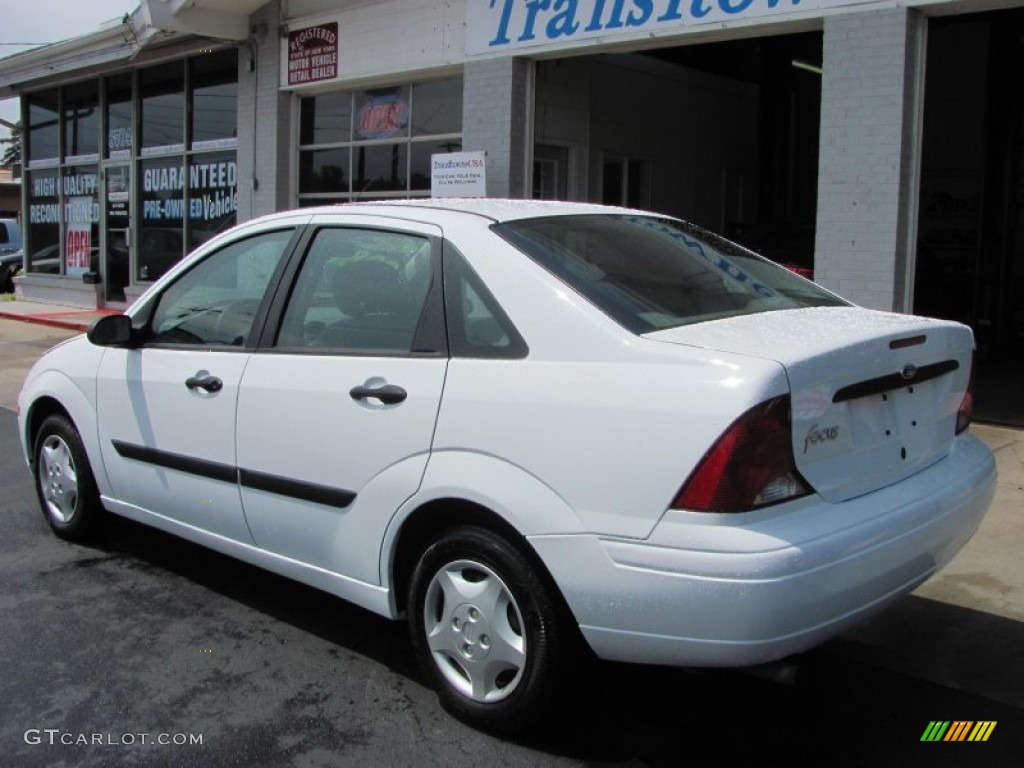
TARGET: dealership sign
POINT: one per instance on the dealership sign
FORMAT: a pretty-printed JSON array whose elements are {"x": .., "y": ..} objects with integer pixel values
[
  {"x": 499, "y": 25},
  {"x": 313, "y": 54},
  {"x": 458, "y": 174}
]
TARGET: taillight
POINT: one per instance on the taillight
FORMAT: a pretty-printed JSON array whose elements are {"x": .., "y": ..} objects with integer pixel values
[
  {"x": 966, "y": 409},
  {"x": 750, "y": 466}
]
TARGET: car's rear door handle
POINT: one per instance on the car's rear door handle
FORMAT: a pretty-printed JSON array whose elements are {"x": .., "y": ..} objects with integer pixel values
[
  {"x": 389, "y": 393},
  {"x": 208, "y": 382}
]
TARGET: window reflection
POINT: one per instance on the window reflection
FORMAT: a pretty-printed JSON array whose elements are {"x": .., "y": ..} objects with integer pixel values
[
  {"x": 163, "y": 105},
  {"x": 43, "y": 125},
  {"x": 214, "y": 98},
  {"x": 81, "y": 119},
  {"x": 119, "y": 116}
]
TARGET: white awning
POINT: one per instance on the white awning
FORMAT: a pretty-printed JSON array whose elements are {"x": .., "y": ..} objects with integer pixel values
[
  {"x": 221, "y": 19},
  {"x": 121, "y": 40}
]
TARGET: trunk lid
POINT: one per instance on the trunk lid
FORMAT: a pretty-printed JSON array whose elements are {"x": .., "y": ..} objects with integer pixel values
[{"x": 874, "y": 394}]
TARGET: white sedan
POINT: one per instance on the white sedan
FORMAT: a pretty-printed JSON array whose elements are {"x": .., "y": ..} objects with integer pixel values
[{"x": 524, "y": 426}]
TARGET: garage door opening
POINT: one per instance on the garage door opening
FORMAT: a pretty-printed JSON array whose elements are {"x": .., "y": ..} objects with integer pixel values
[
  {"x": 970, "y": 250},
  {"x": 722, "y": 134}
]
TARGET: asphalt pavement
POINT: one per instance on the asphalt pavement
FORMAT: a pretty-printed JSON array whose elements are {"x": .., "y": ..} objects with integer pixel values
[{"x": 142, "y": 637}]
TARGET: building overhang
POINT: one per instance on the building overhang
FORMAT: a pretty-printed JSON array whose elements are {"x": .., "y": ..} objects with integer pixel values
[
  {"x": 120, "y": 41},
  {"x": 219, "y": 19}
]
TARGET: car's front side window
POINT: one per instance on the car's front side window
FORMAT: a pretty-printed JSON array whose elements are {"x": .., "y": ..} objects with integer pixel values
[
  {"x": 359, "y": 290},
  {"x": 215, "y": 302}
]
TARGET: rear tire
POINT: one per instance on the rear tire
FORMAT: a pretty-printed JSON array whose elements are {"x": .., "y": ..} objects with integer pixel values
[
  {"x": 65, "y": 485},
  {"x": 487, "y": 631}
]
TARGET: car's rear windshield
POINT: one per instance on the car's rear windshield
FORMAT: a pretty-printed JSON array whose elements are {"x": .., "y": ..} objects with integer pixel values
[{"x": 649, "y": 273}]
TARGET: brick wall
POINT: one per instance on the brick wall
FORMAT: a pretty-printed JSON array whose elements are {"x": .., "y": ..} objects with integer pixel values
[
  {"x": 496, "y": 119},
  {"x": 867, "y": 168},
  {"x": 264, "y": 120},
  {"x": 390, "y": 37}
]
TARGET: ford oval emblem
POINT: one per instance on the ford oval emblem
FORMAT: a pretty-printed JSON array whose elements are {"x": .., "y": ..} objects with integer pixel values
[{"x": 909, "y": 371}]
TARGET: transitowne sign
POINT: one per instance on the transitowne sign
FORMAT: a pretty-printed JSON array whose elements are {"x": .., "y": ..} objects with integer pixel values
[{"x": 493, "y": 26}]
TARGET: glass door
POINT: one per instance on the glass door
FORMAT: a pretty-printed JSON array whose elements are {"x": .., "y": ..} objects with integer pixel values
[
  {"x": 625, "y": 181},
  {"x": 117, "y": 232},
  {"x": 550, "y": 172}
]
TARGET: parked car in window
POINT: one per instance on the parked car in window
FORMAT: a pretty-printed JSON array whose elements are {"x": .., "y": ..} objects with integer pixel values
[
  {"x": 523, "y": 427},
  {"x": 10, "y": 267},
  {"x": 10, "y": 236},
  {"x": 45, "y": 261},
  {"x": 10, "y": 253}
]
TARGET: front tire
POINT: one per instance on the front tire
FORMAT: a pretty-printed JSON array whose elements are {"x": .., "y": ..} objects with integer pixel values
[
  {"x": 487, "y": 631},
  {"x": 64, "y": 481}
]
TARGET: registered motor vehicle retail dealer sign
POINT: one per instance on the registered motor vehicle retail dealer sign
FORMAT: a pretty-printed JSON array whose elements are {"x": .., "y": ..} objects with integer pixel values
[{"x": 313, "y": 54}]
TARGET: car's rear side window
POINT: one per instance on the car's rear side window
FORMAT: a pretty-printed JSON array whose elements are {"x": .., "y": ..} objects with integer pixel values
[
  {"x": 477, "y": 325},
  {"x": 649, "y": 273}
]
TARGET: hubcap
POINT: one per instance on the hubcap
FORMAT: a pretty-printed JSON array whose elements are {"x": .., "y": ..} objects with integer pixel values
[
  {"x": 474, "y": 631},
  {"x": 58, "y": 479}
]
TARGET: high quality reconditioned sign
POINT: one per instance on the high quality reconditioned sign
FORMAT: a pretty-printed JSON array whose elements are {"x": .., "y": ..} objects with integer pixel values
[{"x": 493, "y": 26}]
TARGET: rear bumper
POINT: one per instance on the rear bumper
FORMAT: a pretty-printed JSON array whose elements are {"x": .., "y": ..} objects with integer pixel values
[{"x": 733, "y": 590}]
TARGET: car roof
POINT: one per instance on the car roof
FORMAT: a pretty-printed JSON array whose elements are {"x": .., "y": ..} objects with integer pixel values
[{"x": 494, "y": 209}]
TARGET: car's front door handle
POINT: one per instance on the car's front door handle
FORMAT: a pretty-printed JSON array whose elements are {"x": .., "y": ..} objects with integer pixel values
[
  {"x": 208, "y": 382},
  {"x": 389, "y": 393}
]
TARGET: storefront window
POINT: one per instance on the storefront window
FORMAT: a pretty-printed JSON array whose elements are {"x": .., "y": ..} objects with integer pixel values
[
  {"x": 81, "y": 208},
  {"x": 381, "y": 167},
  {"x": 376, "y": 142},
  {"x": 162, "y": 89},
  {"x": 82, "y": 121},
  {"x": 43, "y": 242},
  {"x": 324, "y": 170},
  {"x": 213, "y": 195},
  {"x": 419, "y": 165},
  {"x": 382, "y": 113},
  {"x": 162, "y": 223},
  {"x": 43, "y": 126},
  {"x": 214, "y": 87},
  {"x": 326, "y": 119},
  {"x": 438, "y": 107},
  {"x": 181, "y": 196},
  {"x": 119, "y": 117}
]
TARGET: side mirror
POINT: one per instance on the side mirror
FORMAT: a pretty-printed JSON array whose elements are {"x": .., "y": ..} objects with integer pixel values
[{"x": 112, "y": 331}]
